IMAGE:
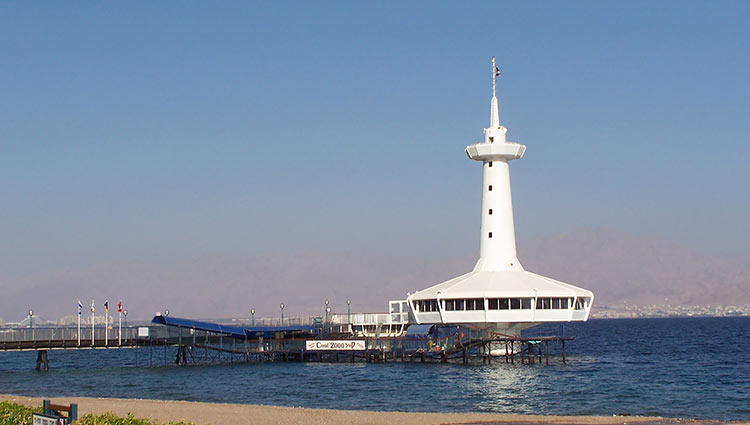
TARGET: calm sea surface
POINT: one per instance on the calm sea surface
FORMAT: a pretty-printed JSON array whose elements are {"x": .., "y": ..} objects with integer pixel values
[{"x": 682, "y": 367}]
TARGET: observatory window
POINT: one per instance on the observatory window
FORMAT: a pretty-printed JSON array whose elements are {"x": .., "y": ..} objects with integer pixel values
[
  {"x": 490, "y": 188},
  {"x": 490, "y": 211},
  {"x": 493, "y": 304},
  {"x": 460, "y": 305},
  {"x": 490, "y": 234},
  {"x": 474, "y": 303},
  {"x": 427, "y": 305},
  {"x": 526, "y": 303},
  {"x": 504, "y": 304},
  {"x": 430, "y": 305},
  {"x": 450, "y": 305},
  {"x": 515, "y": 303},
  {"x": 489, "y": 164},
  {"x": 581, "y": 303},
  {"x": 554, "y": 304}
]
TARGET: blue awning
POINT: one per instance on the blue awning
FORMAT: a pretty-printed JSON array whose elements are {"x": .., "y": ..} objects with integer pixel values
[
  {"x": 233, "y": 331},
  {"x": 418, "y": 330}
]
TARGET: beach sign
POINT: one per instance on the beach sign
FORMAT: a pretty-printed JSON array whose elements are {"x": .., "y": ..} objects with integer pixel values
[
  {"x": 40, "y": 419},
  {"x": 352, "y": 345}
]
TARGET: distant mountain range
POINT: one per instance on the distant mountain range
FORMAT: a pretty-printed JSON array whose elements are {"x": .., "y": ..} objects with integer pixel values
[{"x": 620, "y": 268}]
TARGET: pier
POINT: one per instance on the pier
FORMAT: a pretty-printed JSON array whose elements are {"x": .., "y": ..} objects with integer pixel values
[{"x": 182, "y": 342}]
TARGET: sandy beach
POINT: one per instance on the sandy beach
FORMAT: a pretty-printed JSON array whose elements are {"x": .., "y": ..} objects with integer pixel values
[{"x": 238, "y": 414}]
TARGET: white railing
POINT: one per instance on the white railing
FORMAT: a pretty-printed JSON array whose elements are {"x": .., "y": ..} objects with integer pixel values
[
  {"x": 369, "y": 318},
  {"x": 64, "y": 333},
  {"x": 332, "y": 319}
]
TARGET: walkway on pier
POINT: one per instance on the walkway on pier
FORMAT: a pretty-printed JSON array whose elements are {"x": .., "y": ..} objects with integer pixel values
[
  {"x": 187, "y": 341},
  {"x": 65, "y": 337}
]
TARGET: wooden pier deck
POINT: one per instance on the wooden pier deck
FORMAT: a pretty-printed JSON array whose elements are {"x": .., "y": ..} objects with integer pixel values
[{"x": 183, "y": 346}]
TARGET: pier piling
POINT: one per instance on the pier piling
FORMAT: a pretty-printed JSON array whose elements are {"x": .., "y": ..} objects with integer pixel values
[{"x": 41, "y": 359}]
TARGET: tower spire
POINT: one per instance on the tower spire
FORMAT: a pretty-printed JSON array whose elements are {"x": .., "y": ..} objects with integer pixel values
[{"x": 494, "y": 116}]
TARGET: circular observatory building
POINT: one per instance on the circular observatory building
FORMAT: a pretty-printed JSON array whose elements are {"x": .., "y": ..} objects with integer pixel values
[{"x": 499, "y": 295}]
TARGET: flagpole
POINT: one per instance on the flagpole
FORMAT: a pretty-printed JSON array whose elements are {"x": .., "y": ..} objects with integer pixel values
[
  {"x": 93, "y": 319},
  {"x": 119, "y": 331},
  {"x": 106, "y": 323},
  {"x": 79, "y": 323}
]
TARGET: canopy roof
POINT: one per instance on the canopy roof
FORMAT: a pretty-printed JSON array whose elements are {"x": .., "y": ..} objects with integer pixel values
[
  {"x": 232, "y": 331},
  {"x": 418, "y": 330},
  {"x": 500, "y": 284}
]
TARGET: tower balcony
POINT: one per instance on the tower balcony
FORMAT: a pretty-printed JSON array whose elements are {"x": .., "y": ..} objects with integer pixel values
[{"x": 495, "y": 151}]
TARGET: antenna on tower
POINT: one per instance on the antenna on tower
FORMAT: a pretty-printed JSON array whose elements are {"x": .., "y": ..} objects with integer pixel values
[
  {"x": 495, "y": 74},
  {"x": 494, "y": 116}
]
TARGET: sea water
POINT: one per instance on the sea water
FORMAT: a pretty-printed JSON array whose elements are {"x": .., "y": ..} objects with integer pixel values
[{"x": 674, "y": 367}]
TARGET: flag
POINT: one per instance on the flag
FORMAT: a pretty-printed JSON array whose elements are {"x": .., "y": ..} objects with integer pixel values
[
  {"x": 119, "y": 306},
  {"x": 92, "y": 306},
  {"x": 497, "y": 72},
  {"x": 80, "y": 307},
  {"x": 106, "y": 306}
]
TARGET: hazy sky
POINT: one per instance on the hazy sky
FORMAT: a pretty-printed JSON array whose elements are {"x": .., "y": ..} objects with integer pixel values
[{"x": 160, "y": 131}]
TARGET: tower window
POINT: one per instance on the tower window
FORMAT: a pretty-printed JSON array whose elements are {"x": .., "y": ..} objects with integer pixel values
[
  {"x": 490, "y": 211},
  {"x": 489, "y": 164},
  {"x": 490, "y": 188},
  {"x": 490, "y": 234}
]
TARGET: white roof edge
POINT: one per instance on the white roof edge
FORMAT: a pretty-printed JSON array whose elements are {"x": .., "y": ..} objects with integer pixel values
[{"x": 500, "y": 284}]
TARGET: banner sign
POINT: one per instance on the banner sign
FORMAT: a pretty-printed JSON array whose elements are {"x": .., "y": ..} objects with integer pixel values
[
  {"x": 341, "y": 344},
  {"x": 40, "y": 419}
]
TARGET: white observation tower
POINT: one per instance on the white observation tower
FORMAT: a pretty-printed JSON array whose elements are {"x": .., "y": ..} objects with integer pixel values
[{"x": 499, "y": 295}]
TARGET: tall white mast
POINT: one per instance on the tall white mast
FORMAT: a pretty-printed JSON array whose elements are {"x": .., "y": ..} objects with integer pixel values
[
  {"x": 494, "y": 116},
  {"x": 497, "y": 246}
]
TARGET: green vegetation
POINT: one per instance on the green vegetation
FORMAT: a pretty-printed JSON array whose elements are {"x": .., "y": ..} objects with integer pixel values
[{"x": 17, "y": 414}]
